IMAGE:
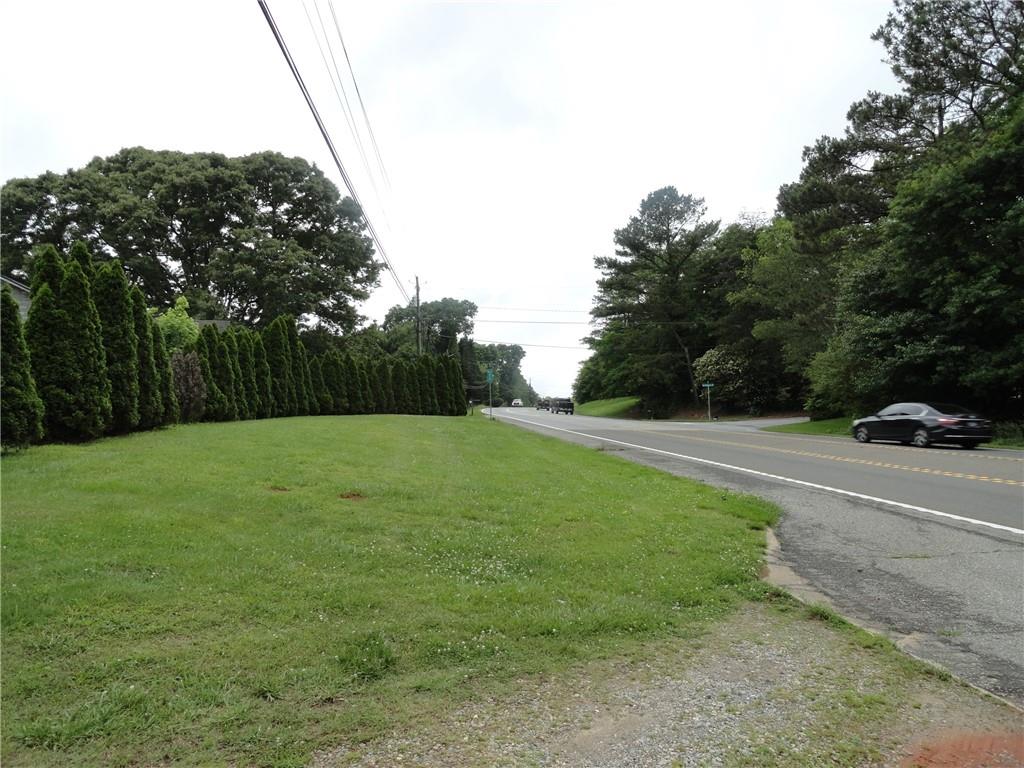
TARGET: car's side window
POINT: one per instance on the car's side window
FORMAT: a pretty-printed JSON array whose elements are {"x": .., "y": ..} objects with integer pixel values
[{"x": 892, "y": 410}]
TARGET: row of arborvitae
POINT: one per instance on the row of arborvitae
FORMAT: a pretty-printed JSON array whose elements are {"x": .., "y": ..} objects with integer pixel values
[{"x": 92, "y": 361}]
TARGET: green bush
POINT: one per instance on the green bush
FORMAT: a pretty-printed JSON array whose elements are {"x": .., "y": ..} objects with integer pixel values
[{"x": 180, "y": 331}]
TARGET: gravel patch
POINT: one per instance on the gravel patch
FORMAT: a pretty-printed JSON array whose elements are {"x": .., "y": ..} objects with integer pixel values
[{"x": 767, "y": 686}]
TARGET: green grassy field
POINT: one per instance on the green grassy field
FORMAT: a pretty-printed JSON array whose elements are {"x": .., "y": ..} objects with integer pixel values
[
  {"x": 248, "y": 593},
  {"x": 616, "y": 408},
  {"x": 840, "y": 426}
]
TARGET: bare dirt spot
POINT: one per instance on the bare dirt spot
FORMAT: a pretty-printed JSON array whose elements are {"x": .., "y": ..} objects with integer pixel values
[
  {"x": 964, "y": 749},
  {"x": 351, "y": 495},
  {"x": 278, "y": 488}
]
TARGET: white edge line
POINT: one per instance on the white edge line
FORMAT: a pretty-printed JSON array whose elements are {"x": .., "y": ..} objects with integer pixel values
[{"x": 804, "y": 483}]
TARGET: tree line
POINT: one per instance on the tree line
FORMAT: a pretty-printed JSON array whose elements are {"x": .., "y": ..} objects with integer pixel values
[
  {"x": 92, "y": 359},
  {"x": 893, "y": 268}
]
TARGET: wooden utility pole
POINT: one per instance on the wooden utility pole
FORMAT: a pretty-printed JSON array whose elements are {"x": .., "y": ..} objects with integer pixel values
[{"x": 419, "y": 345}]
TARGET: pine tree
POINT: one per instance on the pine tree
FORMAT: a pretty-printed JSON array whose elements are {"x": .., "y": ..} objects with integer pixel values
[
  {"x": 80, "y": 252},
  {"x": 150, "y": 404},
  {"x": 47, "y": 268},
  {"x": 113, "y": 301},
  {"x": 223, "y": 373},
  {"x": 247, "y": 369},
  {"x": 216, "y": 403},
  {"x": 442, "y": 389},
  {"x": 412, "y": 381},
  {"x": 279, "y": 359},
  {"x": 334, "y": 380},
  {"x": 189, "y": 385},
  {"x": 355, "y": 385},
  {"x": 323, "y": 395},
  {"x": 428, "y": 386},
  {"x": 459, "y": 405},
  {"x": 264, "y": 379},
  {"x": 387, "y": 385},
  {"x": 299, "y": 378},
  {"x": 376, "y": 400},
  {"x": 312, "y": 403},
  {"x": 376, "y": 375},
  {"x": 400, "y": 383},
  {"x": 171, "y": 413},
  {"x": 21, "y": 410},
  {"x": 241, "y": 402},
  {"x": 68, "y": 361}
]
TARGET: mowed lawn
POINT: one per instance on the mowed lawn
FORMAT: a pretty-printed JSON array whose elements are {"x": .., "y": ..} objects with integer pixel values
[{"x": 249, "y": 593}]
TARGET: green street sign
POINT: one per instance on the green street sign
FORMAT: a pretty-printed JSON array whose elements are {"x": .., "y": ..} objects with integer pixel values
[
  {"x": 490, "y": 376},
  {"x": 708, "y": 384}
]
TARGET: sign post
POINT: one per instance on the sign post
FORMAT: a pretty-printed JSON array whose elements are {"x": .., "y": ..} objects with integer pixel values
[
  {"x": 707, "y": 389},
  {"x": 490, "y": 399}
]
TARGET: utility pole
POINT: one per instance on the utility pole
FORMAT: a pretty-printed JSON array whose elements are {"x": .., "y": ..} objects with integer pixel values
[{"x": 419, "y": 346}]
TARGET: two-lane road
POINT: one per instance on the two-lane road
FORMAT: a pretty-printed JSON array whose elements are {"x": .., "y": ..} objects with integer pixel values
[{"x": 926, "y": 544}]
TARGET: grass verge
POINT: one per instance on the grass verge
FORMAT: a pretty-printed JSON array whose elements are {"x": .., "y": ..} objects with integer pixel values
[
  {"x": 840, "y": 426},
  {"x": 615, "y": 408},
  {"x": 250, "y": 593}
]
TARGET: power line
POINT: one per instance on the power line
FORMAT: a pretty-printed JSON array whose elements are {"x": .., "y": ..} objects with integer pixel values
[
  {"x": 537, "y": 309},
  {"x": 537, "y": 322},
  {"x": 521, "y": 344},
  {"x": 342, "y": 95},
  {"x": 330, "y": 144},
  {"x": 366, "y": 117}
]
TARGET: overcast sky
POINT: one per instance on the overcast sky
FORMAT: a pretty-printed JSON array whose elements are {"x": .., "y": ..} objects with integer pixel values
[{"x": 517, "y": 135}]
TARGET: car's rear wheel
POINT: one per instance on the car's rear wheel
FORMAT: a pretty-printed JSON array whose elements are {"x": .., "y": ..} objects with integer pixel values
[
  {"x": 861, "y": 435},
  {"x": 921, "y": 439}
]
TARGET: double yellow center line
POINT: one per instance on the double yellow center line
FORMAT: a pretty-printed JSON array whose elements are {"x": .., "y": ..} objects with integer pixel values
[{"x": 852, "y": 460}]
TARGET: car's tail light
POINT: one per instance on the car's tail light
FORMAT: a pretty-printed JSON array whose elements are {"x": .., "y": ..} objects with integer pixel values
[{"x": 947, "y": 421}]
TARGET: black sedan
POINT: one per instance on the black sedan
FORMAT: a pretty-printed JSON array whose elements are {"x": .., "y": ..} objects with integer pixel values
[{"x": 923, "y": 424}]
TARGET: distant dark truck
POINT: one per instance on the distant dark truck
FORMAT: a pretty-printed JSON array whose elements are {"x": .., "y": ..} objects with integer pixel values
[{"x": 562, "y": 405}]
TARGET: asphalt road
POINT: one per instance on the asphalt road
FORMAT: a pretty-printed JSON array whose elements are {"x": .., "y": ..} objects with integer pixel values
[{"x": 926, "y": 545}]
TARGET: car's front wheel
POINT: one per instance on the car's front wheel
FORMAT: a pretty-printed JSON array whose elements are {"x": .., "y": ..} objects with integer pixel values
[
  {"x": 921, "y": 439},
  {"x": 861, "y": 435}
]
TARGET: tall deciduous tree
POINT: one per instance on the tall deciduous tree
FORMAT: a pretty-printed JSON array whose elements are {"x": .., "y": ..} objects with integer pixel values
[
  {"x": 120, "y": 343},
  {"x": 21, "y": 410},
  {"x": 249, "y": 238}
]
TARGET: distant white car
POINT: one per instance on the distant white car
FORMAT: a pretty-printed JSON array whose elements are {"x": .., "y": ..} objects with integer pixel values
[{"x": 517, "y": 403}]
